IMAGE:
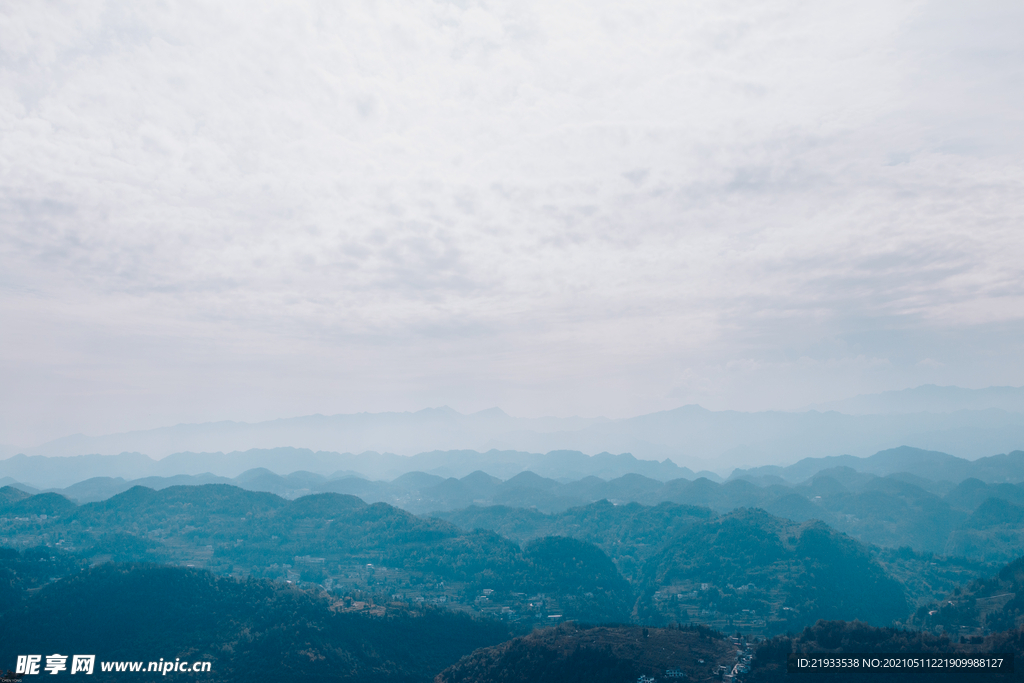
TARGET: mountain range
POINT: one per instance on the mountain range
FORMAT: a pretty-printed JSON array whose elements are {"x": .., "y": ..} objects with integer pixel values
[
  {"x": 963, "y": 422},
  {"x": 43, "y": 472},
  {"x": 928, "y": 501},
  {"x": 929, "y": 465},
  {"x": 303, "y": 471},
  {"x": 931, "y": 399}
]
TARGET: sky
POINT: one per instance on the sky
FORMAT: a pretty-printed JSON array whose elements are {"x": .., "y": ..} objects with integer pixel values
[{"x": 247, "y": 211}]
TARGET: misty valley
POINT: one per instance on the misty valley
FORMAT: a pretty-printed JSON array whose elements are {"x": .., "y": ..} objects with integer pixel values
[{"x": 340, "y": 576}]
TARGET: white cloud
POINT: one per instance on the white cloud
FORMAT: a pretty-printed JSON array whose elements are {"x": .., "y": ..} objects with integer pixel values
[{"x": 246, "y": 211}]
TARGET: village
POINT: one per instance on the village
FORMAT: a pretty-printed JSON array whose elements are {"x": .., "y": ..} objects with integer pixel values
[
  {"x": 730, "y": 609},
  {"x": 371, "y": 588}
]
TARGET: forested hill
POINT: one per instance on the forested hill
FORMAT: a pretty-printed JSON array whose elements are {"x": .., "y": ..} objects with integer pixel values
[
  {"x": 750, "y": 562},
  {"x": 982, "y": 521},
  {"x": 755, "y": 565},
  {"x": 984, "y": 616},
  {"x": 601, "y": 562},
  {"x": 329, "y": 539},
  {"x": 255, "y": 629},
  {"x": 248, "y": 631},
  {"x": 993, "y": 603},
  {"x": 597, "y": 655},
  {"x": 330, "y": 567}
]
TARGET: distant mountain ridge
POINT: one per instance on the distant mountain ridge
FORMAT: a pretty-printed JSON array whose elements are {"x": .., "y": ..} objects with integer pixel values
[
  {"x": 690, "y": 435},
  {"x": 59, "y": 472},
  {"x": 935, "y": 466},
  {"x": 310, "y": 470},
  {"x": 930, "y": 398}
]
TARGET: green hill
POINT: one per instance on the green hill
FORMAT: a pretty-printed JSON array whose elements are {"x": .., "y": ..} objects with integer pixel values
[
  {"x": 763, "y": 574},
  {"x": 991, "y": 604},
  {"x": 627, "y": 533},
  {"x": 248, "y": 630},
  {"x": 777, "y": 570}
]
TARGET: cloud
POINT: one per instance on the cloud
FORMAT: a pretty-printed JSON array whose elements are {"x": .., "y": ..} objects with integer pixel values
[{"x": 539, "y": 205}]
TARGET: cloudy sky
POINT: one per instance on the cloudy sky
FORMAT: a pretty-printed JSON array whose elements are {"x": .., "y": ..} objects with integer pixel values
[{"x": 257, "y": 210}]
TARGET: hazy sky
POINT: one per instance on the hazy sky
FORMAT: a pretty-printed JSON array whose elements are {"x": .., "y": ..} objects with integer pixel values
[{"x": 258, "y": 210}]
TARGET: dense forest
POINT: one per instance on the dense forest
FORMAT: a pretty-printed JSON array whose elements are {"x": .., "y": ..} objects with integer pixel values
[
  {"x": 668, "y": 563},
  {"x": 327, "y": 583},
  {"x": 248, "y": 630}
]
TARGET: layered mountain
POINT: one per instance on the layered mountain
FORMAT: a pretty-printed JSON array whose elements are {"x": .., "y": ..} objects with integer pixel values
[
  {"x": 924, "y": 464},
  {"x": 43, "y": 472},
  {"x": 977, "y": 517},
  {"x": 691, "y": 436},
  {"x": 932, "y": 399}
]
